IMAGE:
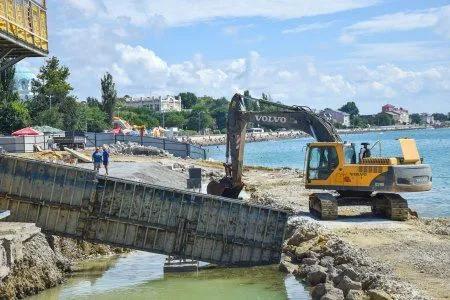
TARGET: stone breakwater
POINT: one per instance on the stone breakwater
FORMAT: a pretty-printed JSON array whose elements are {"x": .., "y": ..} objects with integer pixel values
[
  {"x": 337, "y": 270},
  {"x": 131, "y": 148}
]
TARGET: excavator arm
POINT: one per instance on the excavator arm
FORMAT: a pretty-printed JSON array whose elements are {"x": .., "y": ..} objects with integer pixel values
[{"x": 294, "y": 117}]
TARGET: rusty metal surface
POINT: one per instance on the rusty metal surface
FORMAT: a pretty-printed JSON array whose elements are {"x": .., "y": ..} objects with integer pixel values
[{"x": 75, "y": 202}]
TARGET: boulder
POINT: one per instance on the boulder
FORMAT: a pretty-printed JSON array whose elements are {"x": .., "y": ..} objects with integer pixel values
[
  {"x": 346, "y": 271},
  {"x": 346, "y": 284},
  {"x": 334, "y": 294},
  {"x": 378, "y": 295},
  {"x": 316, "y": 275},
  {"x": 287, "y": 267},
  {"x": 320, "y": 290},
  {"x": 309, "y": 261},
  {"x": 326, "y": 261},
  {"x": 356, "y": 295}
]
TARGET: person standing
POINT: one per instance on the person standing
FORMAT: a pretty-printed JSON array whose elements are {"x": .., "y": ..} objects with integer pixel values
[
  {"x": 97, "y": 159},
  {"x": 50, "y": 143},
  {"x": 105, "y": 159}
]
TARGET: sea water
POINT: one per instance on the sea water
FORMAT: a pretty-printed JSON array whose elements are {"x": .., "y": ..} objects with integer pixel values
[{"x": 433, "y": 144}]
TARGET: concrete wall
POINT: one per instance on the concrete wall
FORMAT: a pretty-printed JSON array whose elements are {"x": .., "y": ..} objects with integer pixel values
[{"x": 76, "y": 202}]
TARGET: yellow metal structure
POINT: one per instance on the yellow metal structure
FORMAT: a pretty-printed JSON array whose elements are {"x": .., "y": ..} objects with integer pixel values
[
  {"x": 23, "y": 29},
  {"x": 410, "y": 152}
]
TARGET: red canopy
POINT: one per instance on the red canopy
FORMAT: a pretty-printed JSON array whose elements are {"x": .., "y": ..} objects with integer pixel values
[
  {"x": 27, "y": 131},
  {"x": 116, "y": 130}
]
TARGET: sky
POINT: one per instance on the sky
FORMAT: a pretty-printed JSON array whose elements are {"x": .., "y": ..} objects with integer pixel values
[{"x": 318, "y": 53}]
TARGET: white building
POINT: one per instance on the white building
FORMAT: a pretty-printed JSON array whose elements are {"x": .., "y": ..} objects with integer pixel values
[
  {"x": 169, "y": 103},
  {"x": 336, "y": 116},
  {"x": 427, "y": 119}
]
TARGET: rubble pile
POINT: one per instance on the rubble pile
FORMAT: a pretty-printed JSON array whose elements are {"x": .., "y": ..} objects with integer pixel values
[
  {"x": 337, "y": 270},
  {"x": 130, "y": 148}
]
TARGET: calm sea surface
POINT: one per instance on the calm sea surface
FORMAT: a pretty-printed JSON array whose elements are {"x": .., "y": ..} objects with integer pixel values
[{"x": 433, "y": 144}]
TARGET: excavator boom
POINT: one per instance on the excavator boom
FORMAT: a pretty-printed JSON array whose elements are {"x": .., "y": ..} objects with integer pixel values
[{"x": 294, "y": 117}]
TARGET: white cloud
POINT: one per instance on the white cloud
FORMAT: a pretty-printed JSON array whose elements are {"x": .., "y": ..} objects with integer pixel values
[
  {"x": 175, "y": 13},
  {"x": 308, "y": 27},
  {"x": 235, "y": 29},
  {"x": 403, "y": 51},
  {"x": 437, "y": 18}
]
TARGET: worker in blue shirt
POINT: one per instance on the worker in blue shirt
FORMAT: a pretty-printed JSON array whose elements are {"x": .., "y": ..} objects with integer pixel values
[
  {"x": 105, "y": 158},
  {"x": 97, "y": 158}
]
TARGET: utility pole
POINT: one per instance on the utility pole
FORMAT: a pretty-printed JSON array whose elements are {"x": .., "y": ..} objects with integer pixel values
[
  {"x": 199, "y": 120},
  {"x": 50, "y": 97}
]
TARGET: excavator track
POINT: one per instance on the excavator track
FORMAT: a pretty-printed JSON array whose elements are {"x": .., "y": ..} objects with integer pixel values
[
  {"x": 392, "y": 206},
  {"x": 323, "y": 206}
]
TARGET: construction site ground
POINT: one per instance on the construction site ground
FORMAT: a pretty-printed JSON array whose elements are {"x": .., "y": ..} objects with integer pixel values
[{"x": 417, "y": 250}]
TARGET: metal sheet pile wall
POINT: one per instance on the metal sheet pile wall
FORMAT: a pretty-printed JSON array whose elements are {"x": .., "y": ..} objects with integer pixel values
[{"x": 71, "y": 201}]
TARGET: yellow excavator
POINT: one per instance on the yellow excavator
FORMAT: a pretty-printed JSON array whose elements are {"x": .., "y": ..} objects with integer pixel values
[{"x": 331, "y": 164}]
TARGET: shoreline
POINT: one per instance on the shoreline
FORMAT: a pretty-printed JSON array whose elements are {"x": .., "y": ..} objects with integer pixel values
[{"x": 220, "y": 139}]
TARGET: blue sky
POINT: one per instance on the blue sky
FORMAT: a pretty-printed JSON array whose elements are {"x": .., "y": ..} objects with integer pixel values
[{"x": 319, "y": 53}]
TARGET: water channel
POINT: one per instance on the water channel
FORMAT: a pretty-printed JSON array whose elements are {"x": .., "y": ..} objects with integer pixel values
[{"x": 139, "y": 275}]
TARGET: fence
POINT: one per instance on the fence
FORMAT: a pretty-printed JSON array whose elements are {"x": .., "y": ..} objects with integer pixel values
[{"x": 23, "y": 144}]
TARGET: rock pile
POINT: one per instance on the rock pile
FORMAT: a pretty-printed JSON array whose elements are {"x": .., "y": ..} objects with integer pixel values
[
  {"x": 337, "y": 270},
  {"x": 130, "y": 148}
]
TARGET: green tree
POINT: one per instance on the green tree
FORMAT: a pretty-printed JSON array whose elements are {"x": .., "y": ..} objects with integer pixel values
[
  {"x": 219, "y": 112},
  {"x": 70, "y": 115},
  {"x": 140, "y": 116},
  {"x": 13, "y": 116},
  {"x": 175, "y": 119},
  {"x": 92, "y": 119},
  {"x": 350, "y": 108},
  {"x": 199, "y": 118},
  {"x": 93, "y": 102},
  {"x": 51, "y": 117},
  {"x": 109, "y": 96},
  {"x": 51, "y": 86},
  {"x": 383, "y": 119},
  {"x": 187, "y": 100},
  {"x": 250, "y": 104},
  {"x": 415, "y": 119},
  {"x": 7, "y": 92},
  {"x": 440, "y": 117}
]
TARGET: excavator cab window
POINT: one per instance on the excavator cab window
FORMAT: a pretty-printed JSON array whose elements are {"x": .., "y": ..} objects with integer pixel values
[
  {"x": 322, "y": 162},
  {"x": 349, "y": 153}
]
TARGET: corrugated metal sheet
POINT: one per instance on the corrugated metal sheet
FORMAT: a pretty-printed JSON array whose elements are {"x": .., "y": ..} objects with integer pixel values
[{"x": 75, "y": 202}]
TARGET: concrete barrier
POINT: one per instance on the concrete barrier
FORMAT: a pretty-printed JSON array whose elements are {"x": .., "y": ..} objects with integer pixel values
[{"x": 76, "y": 202}]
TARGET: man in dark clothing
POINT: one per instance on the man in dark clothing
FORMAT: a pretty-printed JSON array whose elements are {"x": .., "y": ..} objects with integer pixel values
[
  {"x": 105, "y": 159},
  {"x": 97, "y": 159}
]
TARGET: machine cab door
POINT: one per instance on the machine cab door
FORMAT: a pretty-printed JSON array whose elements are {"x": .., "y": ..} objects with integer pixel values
[{"x": 322, "y": 162}]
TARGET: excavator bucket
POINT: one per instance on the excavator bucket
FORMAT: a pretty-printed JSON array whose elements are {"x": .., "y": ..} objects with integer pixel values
[{"x": 224, "y": 188}]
